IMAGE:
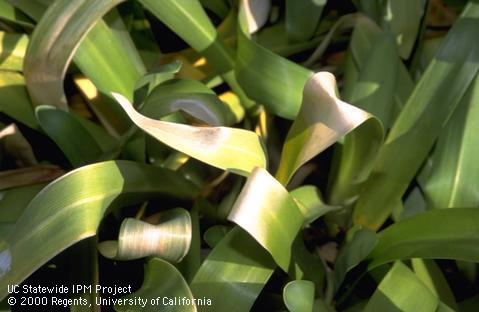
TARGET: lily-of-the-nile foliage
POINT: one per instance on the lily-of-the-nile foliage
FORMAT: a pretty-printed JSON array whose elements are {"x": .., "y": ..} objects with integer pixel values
[{"x": 237, "y": 155}]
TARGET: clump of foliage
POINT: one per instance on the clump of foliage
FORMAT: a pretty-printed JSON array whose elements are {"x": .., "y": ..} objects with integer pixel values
[{"x": 301, "y": 155}]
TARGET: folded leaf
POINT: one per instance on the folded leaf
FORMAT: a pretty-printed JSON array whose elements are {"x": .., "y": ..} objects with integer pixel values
[
  {"x": 268, "y": 213},
  {"x": 322, "y": 121},
  {"x": 170, "y": 240},
  {"x": 232, "y": 149}
]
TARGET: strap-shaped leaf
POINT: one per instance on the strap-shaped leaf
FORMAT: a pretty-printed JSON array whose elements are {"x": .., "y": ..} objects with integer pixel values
[
  {"x": 189, "y": 20},
  {"x": 232, "y": 149},
  {"x": 373, "y": 92},
  {"x": 74, "y": 205},
  {"x": 266, "y": 77},
  {"x": 302, "y": 18},
  {"x": 72, "y": 138},
  {"x": 56, "y": 39},
  {"x": 435, "y": 234},
  {"x": 401, "y": 290},
  {"x": 358, "y": 245},
  {"x": 431, "y": 275},
  {"x": 403, "y": 18},
  {"x": 267, "y": 212},
  {"x": 12, "y": 50},
  {"x": 14, "y": 99},
  {"x": 323, "y": 120},
  {"x": 434, "y": 99},
  {"x": 234, "y": 273},
  {"x": 169, "y": 240},
  {"x": 9, "y": 13},
  {"x": 162, "y": 281},
  {"x": 450, "y": 177}
]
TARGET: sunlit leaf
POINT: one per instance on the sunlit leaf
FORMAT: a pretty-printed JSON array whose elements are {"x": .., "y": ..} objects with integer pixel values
[
  {"x": 170, "y": 240},
  {"x": 234, "y": 273},
  {"x": 323, "y": 120},
  {"x": 84, "y": 194},
  {"x": 268, "y": 213},
  {"x": 232, "y": 149},
  {"x": 435, "y": 234},
  {"x": 401, "y": 290},
  {"x": 12, "y": 50}
]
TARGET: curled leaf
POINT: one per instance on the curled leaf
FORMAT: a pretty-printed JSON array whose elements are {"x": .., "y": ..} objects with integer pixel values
[
  {"x": 170, "y": 240},
  {"x": 323, "y": 119},
  {"x": 232, "y": 149},
  {"x": 267, "y": 211}
]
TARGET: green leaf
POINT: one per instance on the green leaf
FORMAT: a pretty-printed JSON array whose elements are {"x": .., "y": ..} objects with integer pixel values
[
  {"x": 373, "y": 92},
  {"x": 281, "y": 89},
  {"x": 9, "y": 13},
  {"x": 430, "y": 274},
  {"x": 268, "y": 213},
  {"x": 298, "y": 296},
  {"x": 72, "y": 138},
  {"x": 189, "y": 21},
  {"x": 50, "y": 52},
  {"x": 323, "y": 120},
  {"x": 302, "y": 17},
  {"x": 401, "y": 291},
  {"x": 403, "y": 19},
  {"x": 191, "y": 97},
  {"x": 12, "y": 50},
  {"x": 358, "y": 245},
  {"x": 170, "y": 240},
  {"x": 234, "y": 273},
  {"x": 14, "y": 99},
  {"x": 14, "y": 201},
  {"x": 232, "y": 149},
  {"x": 433, "y": 101},
  {"x": 82, "y": 195},
  {"x": 162, "y": 282},
  {"x": 215, "y": 234},
  {"x": 454, "y": 169},
  {"x": 310, "y": 203},
  {"x": 435, "y": 234},
  {"x": 33, "y": 8}
]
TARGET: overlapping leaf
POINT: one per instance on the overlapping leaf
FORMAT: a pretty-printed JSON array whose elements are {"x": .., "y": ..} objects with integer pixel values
[
  {"x": 74, "y": 205},
  {"x": 435, "y": 234},
  {"x": 231, "y": 149},
  {"x": 433, "y": 101},
  {"x": 323, "y": 120}
]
